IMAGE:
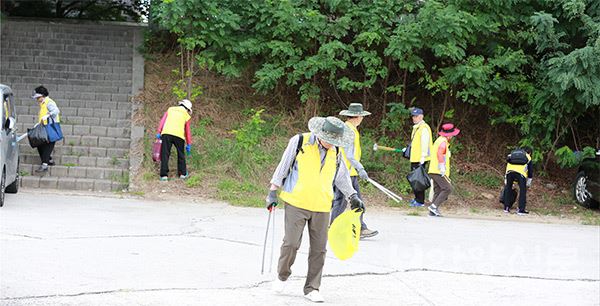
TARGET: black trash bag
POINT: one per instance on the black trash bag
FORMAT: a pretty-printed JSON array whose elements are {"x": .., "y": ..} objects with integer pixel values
[
  {"x": 512, "y": 197},
  {"x": 37, "y": 136},
  {"x": 406, "y": 153},
  {"x": 419, "y": 179}
]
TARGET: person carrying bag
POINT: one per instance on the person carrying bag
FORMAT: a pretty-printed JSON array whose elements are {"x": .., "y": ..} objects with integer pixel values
[{"x": 48, "y": 117}]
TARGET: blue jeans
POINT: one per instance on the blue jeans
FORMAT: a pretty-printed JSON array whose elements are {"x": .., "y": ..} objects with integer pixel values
[{"x": 339, "y": 202}]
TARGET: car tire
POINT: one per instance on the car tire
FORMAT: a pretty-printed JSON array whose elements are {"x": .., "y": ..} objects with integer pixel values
[
  {"x": 580, "y": 192},
  {"x": 2, "y": 187},
  {"x": 14, "y": 187}
]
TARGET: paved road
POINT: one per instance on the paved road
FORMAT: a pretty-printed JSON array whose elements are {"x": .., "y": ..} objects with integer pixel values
[{"x": 85, "y": 250}]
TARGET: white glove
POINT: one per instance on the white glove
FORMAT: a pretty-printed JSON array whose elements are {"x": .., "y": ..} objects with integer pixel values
[
  {"x": 442, "y": 168},
  {"x": 363, "y": 174},
  {"x": 403, "y": 149},
  {"x": 422, "y": 161},
  {"x": 529, "y": 181},
  {"x": 45, "y": 117}
]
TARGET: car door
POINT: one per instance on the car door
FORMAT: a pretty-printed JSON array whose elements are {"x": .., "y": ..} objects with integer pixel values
[{"x": 8, "y": 140}]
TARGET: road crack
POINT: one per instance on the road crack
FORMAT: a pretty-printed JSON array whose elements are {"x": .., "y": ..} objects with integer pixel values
[{"x": 258, "y": 284}]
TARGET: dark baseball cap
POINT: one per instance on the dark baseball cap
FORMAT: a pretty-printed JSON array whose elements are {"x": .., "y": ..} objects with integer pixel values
[{"x": 415, "y": 111}]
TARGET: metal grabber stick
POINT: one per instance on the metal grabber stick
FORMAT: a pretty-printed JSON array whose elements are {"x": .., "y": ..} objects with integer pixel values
[
  {"x": 262, "y": 269},
  {"x": 272, "y": 241}
]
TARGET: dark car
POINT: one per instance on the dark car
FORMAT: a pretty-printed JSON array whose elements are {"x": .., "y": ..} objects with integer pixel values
[{"x": 587, "y": 182}]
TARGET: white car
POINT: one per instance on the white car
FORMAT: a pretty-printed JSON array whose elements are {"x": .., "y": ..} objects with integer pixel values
[{"x": 9, "y": 149}]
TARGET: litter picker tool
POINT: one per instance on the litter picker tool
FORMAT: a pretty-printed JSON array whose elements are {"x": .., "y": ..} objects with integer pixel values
[
  {"x": 262, "y": 269},
  {"x": 19, "y": 138},
  {"x": 386, "y": 191},
  {"x": 377, "y": 147}
]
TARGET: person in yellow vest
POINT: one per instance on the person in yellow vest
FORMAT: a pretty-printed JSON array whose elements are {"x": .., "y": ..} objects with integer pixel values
[
  {"x": 523, "y": 175},
  {"x": 174, "y": 130},
  {"x": 352, "y": 154},
  {"x": 48, "y": 111},
  {"x": 439, "y": 168},
  {"x": 306, "y": 175},
  {"x": 420, "y": 149}
]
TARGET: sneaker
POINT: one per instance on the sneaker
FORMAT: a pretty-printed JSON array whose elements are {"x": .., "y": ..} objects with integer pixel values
[
  {"x": 367, "y": 233},
  {"x": 183, "y": 177},
  {"x": 522, "y": 212},
  {"x": 315, "y": 296},
  {"x": 433, "y": 211},
  {"x": 278, "y": 286},
  {"x": 415, "y": 203},
  {"x": 164, "y": 178},
  {"x": 507, "y": 210},
  {"x": 42, "y": 168},
  {"x": 51, "y": 162}
]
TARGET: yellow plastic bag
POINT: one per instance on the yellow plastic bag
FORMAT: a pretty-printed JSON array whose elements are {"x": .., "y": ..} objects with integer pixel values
[{"x": 344, "y": 234}]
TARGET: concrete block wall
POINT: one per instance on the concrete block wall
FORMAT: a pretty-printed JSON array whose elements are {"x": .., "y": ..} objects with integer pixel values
[{"x": 89, "y": 71}]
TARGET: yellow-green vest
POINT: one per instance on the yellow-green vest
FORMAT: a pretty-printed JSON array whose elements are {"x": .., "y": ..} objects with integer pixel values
[
  {"x": 415, "y": 144},
  {"x": 177, "y": 116},
  {"x": 44, "y": 110},
  {"x": 313, "y": 190},
  {"x": 357, "y": 150},
  {"x": 522, "y": 169},
  {"x": 433, "y": 165}
]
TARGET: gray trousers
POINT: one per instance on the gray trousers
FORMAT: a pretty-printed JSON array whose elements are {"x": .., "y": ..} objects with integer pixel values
[
  {"x": 318, "y": 224},
  {"x": 441, "y": 189},
  {"x": 339, "y": 202}
]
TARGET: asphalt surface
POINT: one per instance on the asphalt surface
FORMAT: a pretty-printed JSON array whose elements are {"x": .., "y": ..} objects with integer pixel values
[{"x": 88, "y": 250}]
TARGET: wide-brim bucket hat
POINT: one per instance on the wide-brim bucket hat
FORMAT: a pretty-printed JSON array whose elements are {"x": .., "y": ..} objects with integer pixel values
[
  {"x": 331, "y": 130},
  {"x": 355, "y": 110},
  {"x": 448, "y": 129}
]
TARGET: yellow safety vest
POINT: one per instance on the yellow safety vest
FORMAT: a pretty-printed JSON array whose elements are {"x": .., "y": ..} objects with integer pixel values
[
  {"x": 314, "y": 189},
  {"x": 357, "y": 150},
  {"x": 415, "y": 143},
  {"x": 522, "y": 169},
  {"x": 44, "y": 110},
  {"x": 433, "y": 166},
  {"x": 177, "y": 116}
]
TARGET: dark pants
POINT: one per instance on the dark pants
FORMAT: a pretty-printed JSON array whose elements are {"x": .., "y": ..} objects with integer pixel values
[
  {"x": 45, "y": 152},
  {"x": 512, "y": 177},
  {"x": 165, "y": 152},
  {"x": 339, "y": 202},
  {"x": 295, "y": 221},
  {"x": 441, "y": 189},
  {"x": 419, "y": 196}
]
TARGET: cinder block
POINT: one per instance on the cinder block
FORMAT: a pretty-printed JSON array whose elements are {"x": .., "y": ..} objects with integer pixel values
[
  {"x": 113, "y": 152},
  {"x": 70, "y": 159},
  {"x": 99, "y": 131},
  {"x": 67, "y": 183},
  {"x": 107, "y": 142},
  {"x": 97, "y": 152},
  {"x": 30, "y": 181},
  {"x": 49, "y": 182},
  {"x": 84, "y": 184},
  {"x": 122, "y": 143},
  {"x": 108, "y": 122},
  {"x": 95, "y": 173},
  {"x": 60, "y": 171},
  {"x": 118, "y": 132},
  {"x": 91, "y": 121},
  {"x": 87, "y": 161},
  {"x": 89, "y": 140},
  {"x": 102, "y": 185},
  {"x": 79, "y": 172}
]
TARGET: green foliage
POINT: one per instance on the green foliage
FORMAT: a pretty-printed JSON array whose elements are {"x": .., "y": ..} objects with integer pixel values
[
  {"x": 533, "y": 64},
  {"x": 250, "y": 134},
  {"x": 194, "y": 180},
  {"x": 566, "y": 158},
  {"x": 113, "y": 10}
]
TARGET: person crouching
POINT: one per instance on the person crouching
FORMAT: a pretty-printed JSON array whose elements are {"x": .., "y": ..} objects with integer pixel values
[{"x": 174, "y": 130}]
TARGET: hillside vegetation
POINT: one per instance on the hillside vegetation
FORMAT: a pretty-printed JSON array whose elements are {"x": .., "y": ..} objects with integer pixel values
[{"x": 507, "y": 73}]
